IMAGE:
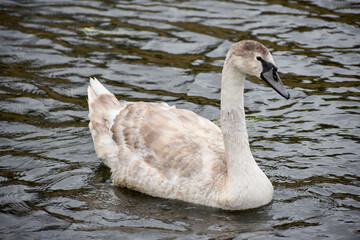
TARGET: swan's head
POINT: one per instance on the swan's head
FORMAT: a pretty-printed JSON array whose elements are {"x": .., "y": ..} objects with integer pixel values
[{"x": 254, "y": 59}]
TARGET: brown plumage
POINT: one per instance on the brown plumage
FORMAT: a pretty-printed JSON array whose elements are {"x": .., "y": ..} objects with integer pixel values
[{"x": 174, "y": 153}]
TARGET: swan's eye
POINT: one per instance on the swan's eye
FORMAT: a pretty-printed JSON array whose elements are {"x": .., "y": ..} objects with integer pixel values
[{"x": 258, "y": 58}]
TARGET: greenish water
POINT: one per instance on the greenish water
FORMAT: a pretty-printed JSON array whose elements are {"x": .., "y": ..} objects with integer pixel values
[{"x": 52, "y": 185}]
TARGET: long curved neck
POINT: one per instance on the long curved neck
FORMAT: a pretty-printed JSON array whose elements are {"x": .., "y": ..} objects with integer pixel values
[
  {"x": 246, "y": 185},
  {"x": 233, "y": 125}
]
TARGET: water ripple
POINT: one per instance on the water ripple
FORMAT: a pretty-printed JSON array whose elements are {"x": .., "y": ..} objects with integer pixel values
[{"x": 53, "y": 186}]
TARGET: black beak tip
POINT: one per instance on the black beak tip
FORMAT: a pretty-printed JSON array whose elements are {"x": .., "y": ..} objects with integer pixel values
[{"x": 287, "y": 96}]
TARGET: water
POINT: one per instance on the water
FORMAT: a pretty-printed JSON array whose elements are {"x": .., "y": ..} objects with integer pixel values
[{"x": 52, "y": 185}]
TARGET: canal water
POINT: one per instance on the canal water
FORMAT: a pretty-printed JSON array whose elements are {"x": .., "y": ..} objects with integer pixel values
[{"x": 53, "y": 186}]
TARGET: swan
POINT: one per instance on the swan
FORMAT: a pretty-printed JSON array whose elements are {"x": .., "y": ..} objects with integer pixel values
[{"x": 173, "y": 153}]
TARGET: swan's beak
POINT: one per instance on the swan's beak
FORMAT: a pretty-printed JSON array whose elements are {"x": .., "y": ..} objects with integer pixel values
[{"x": 272, "y": 78}]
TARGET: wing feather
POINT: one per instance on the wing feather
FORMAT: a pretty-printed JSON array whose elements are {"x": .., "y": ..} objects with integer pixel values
[{"x": 160, "y": 144}]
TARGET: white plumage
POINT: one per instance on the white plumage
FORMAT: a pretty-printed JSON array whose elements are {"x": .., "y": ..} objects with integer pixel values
[{"x": 174, "y": 153}]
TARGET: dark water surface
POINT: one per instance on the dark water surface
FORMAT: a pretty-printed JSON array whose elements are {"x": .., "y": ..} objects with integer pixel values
[{"x": 52, "y": 185}]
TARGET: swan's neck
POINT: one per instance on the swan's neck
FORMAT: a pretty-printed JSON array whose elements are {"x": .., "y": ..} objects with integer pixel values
[
  {"x": 246, "y": 183},
  {"x": 233, "y": 123}
]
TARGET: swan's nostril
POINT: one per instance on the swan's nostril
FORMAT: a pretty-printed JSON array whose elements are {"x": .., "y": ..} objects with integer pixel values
[{"x": 275, "y": 76}]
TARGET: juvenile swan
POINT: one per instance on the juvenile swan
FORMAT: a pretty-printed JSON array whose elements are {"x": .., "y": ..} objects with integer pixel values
[{"x": 174, "y": 153}]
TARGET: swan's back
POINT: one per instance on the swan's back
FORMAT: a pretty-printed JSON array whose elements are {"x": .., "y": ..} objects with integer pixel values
[{"x": 157, "y": 149}]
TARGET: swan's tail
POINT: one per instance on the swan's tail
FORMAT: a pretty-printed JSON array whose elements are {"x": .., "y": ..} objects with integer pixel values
[
  {"x": 101, "y": 103},
  {"x": 97, "y": 91},
  {"x": 100, "y": 100}
]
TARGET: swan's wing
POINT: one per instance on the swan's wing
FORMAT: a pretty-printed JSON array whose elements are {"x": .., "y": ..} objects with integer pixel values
[
  {"x": 158, "y": 145},
  {"x": 157, "y": 149}
]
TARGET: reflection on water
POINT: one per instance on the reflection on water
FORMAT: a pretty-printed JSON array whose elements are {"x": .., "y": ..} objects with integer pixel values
[{"x": 53, "y": 186}]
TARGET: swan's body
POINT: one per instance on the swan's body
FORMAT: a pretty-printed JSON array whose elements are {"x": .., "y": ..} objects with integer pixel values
[{"x": 174, "y": 153}]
